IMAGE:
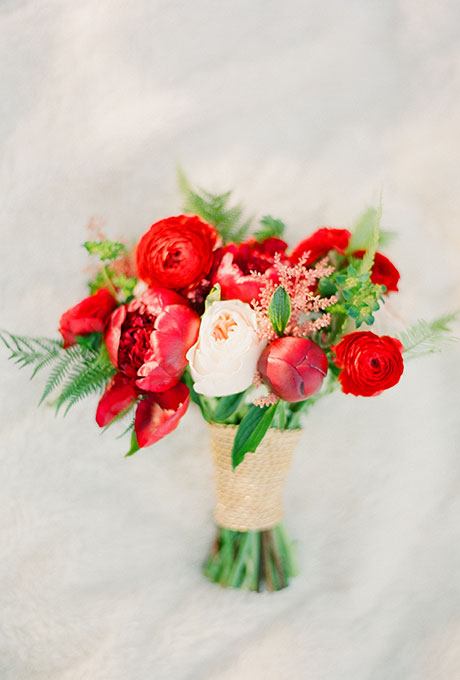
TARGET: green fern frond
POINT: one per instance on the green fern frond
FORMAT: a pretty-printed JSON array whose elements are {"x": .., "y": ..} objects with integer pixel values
[
  {"x": 426, "y": 338},
  {"x": 215, "y": 209},
  {"x": 25, "y": 351},
  {"x": 61, "y": 369},
  {"x": 121, "y": 417},
  {"x": 84, "y": 379}
]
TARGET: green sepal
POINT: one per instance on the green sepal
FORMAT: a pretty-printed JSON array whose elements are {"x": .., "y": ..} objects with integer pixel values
[
  {"x": 251, "y": 431},
  {"x": 134, "y": 445},
  {"x": 279, "y": 310}
]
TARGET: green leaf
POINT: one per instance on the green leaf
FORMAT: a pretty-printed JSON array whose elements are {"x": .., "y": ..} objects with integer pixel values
[
  {"x": 369, "y": 256},
  {"x": 214, "y": 295},
  {"x": 363, "y": 231},
  {"x": 105, "y": 250},
  {"x": 134, "y": 445},
  {"x": 226, "y": 406},
  {"x": 200, "y": 400},
  {"x": 427, "y": 338},
  {"x": 271, "y": 228},
  {"x": 215, "y": 209},
  {"x": 251, "y": 431},
  {"x": 279, "y": 310}
]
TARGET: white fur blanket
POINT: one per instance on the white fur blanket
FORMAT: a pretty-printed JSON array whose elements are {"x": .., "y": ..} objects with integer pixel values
[{"x": 308, "y": 110}]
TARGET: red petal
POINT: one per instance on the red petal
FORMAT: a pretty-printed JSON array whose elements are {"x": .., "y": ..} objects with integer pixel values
[
  {"x": 112, "y": 337},
  {"x": 176, "y": 329},
  {"x": 158, "y": 414},
  {"x": 117, "y": 397}
]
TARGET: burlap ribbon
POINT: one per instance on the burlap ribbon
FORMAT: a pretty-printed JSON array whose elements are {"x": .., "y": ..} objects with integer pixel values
[{"x": 249, "y": 498}]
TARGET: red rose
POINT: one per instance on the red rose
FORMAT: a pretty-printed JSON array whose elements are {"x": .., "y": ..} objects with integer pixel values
[
  {"x": 176, "y": 252},
  {"x": 293, "y": 367},
  {"x": 147, "y": 340},
  {"x": 89, "y": 316},
  {"x": 235, "y": 262},
  {"x": 320, "y": 243},
  {"x": 383, "y": 271},
  {"x": 370, "y": 364}
]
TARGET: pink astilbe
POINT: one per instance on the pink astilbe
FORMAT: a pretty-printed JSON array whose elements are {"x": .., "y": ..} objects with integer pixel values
[
  {"x": 299, "y": 282},
  {"x": 269, "y": 400}
]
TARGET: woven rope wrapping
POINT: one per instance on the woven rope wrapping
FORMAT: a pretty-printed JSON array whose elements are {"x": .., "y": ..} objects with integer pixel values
[{"x": 249, "y": 498}]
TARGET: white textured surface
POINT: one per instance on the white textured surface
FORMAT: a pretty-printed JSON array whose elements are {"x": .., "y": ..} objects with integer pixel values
[{"x": 308, "y": 110}]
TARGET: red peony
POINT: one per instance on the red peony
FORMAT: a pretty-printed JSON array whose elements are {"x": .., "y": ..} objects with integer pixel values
[
  {"x": 235, "y": 262},
  {"x": 176, "y": 252},
  {"x": 320, "y": 243},
  {"x": 293, "y": 367},
  {"x": 147, "y": 341},
  {"x": 89, "y": 316},
  {"x": 383, "y": 271},
  {"x": 370, "y": 364}
]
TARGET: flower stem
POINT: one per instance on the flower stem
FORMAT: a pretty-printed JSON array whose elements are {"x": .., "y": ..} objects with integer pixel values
[{"x": 251, "y": 560}]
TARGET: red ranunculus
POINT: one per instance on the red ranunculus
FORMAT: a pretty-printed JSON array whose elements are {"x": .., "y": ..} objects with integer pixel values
[
  {"x": 235, "y": 262},
  {"x": 370, "y": 364},
  {"x": 320, "y": 243},
  {"x": 147, "y": 340},
  {"x": 89, "y": 316},
  {"x": 176, "y": 252},
  {"x": 383, "y": 271},
  {"x": 293, "y": 367}
]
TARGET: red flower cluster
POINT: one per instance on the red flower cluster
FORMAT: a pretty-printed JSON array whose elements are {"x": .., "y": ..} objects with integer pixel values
[
  {"x": 370, "y": 364},
  {"x": 147, "y": 339}
]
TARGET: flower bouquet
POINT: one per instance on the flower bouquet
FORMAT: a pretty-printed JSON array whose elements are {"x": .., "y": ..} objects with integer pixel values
[{"x": 252, "y": 332}]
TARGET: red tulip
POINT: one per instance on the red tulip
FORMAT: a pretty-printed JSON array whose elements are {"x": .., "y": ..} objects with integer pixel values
[{"x": 294, "y": 368}]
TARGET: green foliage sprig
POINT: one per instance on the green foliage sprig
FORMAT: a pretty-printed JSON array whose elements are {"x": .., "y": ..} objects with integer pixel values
[
  {"x": 425, "y": 337},
  {"x": 215, "y": 209},
  {"x": 358, "y": 297},
  {"x": 77, "y": 371},
  {"x": 271, "y": 228},
  {"x": 105, "y": 250}
]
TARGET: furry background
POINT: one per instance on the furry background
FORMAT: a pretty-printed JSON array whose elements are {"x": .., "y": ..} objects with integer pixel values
[{"x": 307, "y": 110}]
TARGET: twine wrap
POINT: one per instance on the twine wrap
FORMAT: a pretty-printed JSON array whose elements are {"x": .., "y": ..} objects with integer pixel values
[{"x": 249, "y": 498}]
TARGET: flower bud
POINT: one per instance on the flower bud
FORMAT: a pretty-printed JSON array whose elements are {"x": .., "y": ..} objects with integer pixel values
[{"x": 294, "y": 368}]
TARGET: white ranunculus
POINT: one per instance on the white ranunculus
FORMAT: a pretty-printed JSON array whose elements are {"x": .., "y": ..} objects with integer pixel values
[{"x": 224, "y": 358}]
